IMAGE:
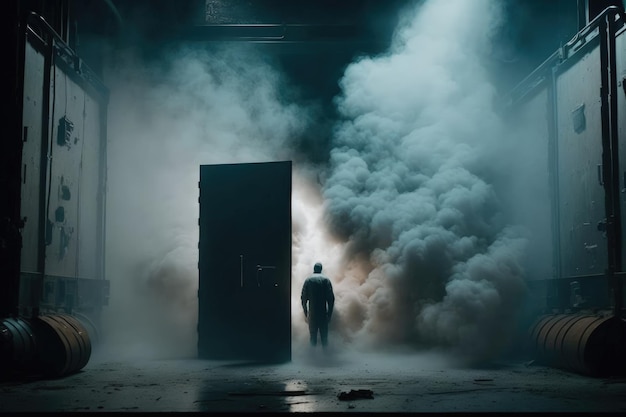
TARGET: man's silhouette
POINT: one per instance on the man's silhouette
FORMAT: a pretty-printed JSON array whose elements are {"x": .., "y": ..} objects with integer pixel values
[{"x": 317, "y": 291}]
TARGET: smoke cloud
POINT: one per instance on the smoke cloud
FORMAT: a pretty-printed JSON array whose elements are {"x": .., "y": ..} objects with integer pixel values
[
  {"x": 412, "y": 216},
  {"x": 412, "y": 190},
  {"x": 193, "y": 106}
]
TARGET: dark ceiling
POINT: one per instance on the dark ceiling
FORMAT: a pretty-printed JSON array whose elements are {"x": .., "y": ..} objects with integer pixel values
[
  {"x": 313, "y": 39},
  {"x": 335, "y": 30}
]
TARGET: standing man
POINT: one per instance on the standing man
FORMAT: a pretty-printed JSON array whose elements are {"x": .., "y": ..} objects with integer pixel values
[{"x": 318, "y": 292}]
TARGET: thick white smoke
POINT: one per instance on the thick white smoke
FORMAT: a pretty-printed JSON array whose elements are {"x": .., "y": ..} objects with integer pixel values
[
  {"x": 166, "y": 118},
  {"x": 410, "y": 189},
  {"x": 407, "y": 219}
]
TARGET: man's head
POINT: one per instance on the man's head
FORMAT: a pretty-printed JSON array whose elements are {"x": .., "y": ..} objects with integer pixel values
[{"x": 317, "y": 268}]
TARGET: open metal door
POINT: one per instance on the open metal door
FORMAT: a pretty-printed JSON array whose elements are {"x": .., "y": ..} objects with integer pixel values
[{"x": 245, "y": 262}]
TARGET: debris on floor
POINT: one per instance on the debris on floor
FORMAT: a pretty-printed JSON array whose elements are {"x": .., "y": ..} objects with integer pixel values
[
  {"x": 356, "y": 395},
  {"x": 483, "y": 381}
]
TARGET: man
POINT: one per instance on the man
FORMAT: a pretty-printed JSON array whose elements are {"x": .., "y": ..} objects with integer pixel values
[{"x": 317, "y": 291}]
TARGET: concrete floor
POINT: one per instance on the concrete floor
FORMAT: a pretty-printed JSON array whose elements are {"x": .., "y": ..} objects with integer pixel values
[{"x": 311, "y": 383}]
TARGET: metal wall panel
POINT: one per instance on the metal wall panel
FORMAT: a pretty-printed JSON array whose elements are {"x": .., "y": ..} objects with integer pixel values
[
  {"x": 90, "y": 192},
  {"x": 72, "y": 206},
  {"x": 31, "y": 157},
  {"x": 63, "y": 178},
  {"x": 66, "y": 115},
  {"x": 585, "y": 82},
  {"x": 581, "y": 201}
]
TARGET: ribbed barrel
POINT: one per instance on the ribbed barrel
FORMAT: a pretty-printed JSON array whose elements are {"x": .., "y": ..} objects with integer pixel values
[
  {"x": 18, "y": 346},
  {"x": 65, "y": 346},
  {"x": 90, "y": 325},
  {"x": 585, "y": 343}
]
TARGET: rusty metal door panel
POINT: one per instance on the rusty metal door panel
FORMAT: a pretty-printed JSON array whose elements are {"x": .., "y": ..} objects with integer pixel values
[
  {"x": 581, "y": 206},
  {"x": 245, "y": 262},
  {"x": 31, "y": 157}
]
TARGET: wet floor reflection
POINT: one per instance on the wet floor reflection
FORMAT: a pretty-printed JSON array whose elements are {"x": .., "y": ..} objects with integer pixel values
[
  {"x": 240, "y": 387},
  {"x": 303, "y": 403}
]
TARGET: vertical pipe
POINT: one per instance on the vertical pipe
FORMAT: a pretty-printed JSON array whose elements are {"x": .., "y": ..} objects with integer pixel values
[
  {"x": 615, "y": 169},
  {"x": 45, "y": 165},
  {"x": 610, "y": 155},
  {"x": 583, "y": 13}
]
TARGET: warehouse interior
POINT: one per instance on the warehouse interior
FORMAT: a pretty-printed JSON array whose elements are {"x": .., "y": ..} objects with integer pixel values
[{"x": 171, "y": 172}]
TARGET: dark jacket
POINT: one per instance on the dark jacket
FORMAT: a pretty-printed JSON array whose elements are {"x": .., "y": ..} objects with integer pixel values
[{"x": 318, "y": 291}]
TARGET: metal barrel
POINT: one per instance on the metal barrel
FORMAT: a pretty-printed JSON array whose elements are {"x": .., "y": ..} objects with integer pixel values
[
  {"x": 589, "y": 344},
  {"x": 82, "y": 336},
  {"x": 65, "y": 347},
  {"x": 19, "y": 346},
  {"x": 90, "y": 325}
]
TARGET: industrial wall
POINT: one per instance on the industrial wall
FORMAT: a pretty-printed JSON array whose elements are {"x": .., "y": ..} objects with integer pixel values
[
  {"x": 63, "y": 177},
  {"x": 53, "y": 186},
  {"x": 575, "y": 104}
]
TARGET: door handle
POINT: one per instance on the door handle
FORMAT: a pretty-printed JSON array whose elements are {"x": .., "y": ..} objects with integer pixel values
[{"x": 259, "y": 269}]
